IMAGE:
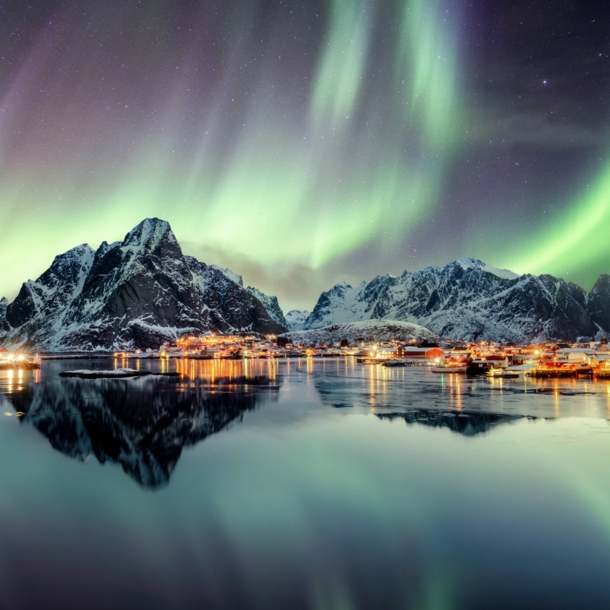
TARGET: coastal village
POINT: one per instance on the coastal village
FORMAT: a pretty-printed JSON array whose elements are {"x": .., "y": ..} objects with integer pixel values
[{"x": 447, "y": 357}]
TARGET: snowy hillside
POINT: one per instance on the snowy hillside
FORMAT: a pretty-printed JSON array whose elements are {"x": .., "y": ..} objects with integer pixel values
[
  {"x": 467, "y": 300},
  {"x": 295, "y": 319},
  {"x": 371, "y": 330}
]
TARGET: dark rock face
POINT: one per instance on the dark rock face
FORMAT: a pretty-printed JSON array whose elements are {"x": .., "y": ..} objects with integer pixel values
[
  {"x": 464, "y": 300},
  {"x": 137, "y": 293},
  {"x": 4, "y": 325},
  {"x": 598, "y": 303},
  {"x": 271, "y": 305},
  {"x": 240, "y": 309}
]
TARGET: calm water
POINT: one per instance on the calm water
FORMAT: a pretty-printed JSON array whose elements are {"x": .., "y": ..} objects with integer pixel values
[{"x": 318, "y": 485}]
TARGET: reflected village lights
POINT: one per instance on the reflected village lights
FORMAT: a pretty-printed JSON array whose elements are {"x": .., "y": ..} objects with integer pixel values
[{"x": 230, "y": 356}]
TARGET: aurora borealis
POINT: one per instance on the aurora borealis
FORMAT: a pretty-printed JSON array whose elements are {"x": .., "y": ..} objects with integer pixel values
[{"x": 304, "y": 143}]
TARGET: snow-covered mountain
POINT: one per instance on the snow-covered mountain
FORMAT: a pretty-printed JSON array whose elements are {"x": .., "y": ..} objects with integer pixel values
[
  {"x": 466, "y": 299},
  {"x": 295, "y": 319},
  {"x": 271, "y": 304},
  {"x": 139, "y": 292},
  {"x": 369, "y": 330}
]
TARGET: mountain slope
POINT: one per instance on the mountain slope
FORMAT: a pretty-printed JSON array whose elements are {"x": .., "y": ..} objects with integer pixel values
[
  {"x": 271, "y": 304},
  {"x": 467, "y": 301},
  {"x": 136, "y": 293}
]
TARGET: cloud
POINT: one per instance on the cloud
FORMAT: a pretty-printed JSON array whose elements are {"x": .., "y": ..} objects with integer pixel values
[
  {"x": 296, "y": 286},
  {"x": 522, "y": 124}
]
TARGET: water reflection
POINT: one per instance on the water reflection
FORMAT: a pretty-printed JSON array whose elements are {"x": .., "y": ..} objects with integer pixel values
[
  {"x": 383, "y": 390},
  {"x": 315, "y": 502},
  {"x": 467, "y": 424},
  {"x": 142, "y": 424}
]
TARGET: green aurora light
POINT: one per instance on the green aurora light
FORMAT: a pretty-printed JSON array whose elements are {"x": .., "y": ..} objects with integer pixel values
[{"x": 328, "y": 147}]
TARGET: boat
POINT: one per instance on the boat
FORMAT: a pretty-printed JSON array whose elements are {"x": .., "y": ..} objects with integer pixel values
[
  {"x": 21, "y": 362},
  {"x": 366, "y": 360},
  {"x": 394, "y": 363},
  {"x": 502, "y": 374},
  {"x": 449, "y": 369}
]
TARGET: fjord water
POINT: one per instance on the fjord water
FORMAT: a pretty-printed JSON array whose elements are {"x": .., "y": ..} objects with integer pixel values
[{"x": 321, "y": 485}]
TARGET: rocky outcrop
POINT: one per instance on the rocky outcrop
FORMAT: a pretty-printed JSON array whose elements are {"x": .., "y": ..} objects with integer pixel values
[{"x": 4, "y": 325}]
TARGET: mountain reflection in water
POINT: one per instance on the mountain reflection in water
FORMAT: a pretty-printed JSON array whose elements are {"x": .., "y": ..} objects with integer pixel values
[
  {"x": 421, "y": 491},
  {"x": 142, "y": 424},
  {"x": 468, "y": 424}
]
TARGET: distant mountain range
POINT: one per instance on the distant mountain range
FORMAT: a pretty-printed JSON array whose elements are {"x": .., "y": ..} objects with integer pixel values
[
  {"x": 295, "y": 319},
  {"x": 467, "y": 299},
  {"x": 144, "y": 291}
]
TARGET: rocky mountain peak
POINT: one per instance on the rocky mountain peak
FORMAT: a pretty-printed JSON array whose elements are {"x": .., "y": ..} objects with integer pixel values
[
  {"x": 137, "y": 293},
  {"x": 149, "y": 235},
  {"x": 234, "y": 277},
  {"x": 468, "y": 263}
]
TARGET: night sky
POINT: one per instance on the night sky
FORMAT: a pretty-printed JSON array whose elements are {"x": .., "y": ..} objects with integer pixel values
[{"x": 302, "y": 143}]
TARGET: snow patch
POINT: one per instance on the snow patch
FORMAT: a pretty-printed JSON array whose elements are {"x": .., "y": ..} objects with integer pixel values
[{"x": 505, "y": 274}]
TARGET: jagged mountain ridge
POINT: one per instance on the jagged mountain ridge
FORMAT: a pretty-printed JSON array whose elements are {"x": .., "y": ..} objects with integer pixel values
[
  {"x": 598, "y": 302},
  {"x": 467, "y": 300},
  {"x": 136, "y": 293}
]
